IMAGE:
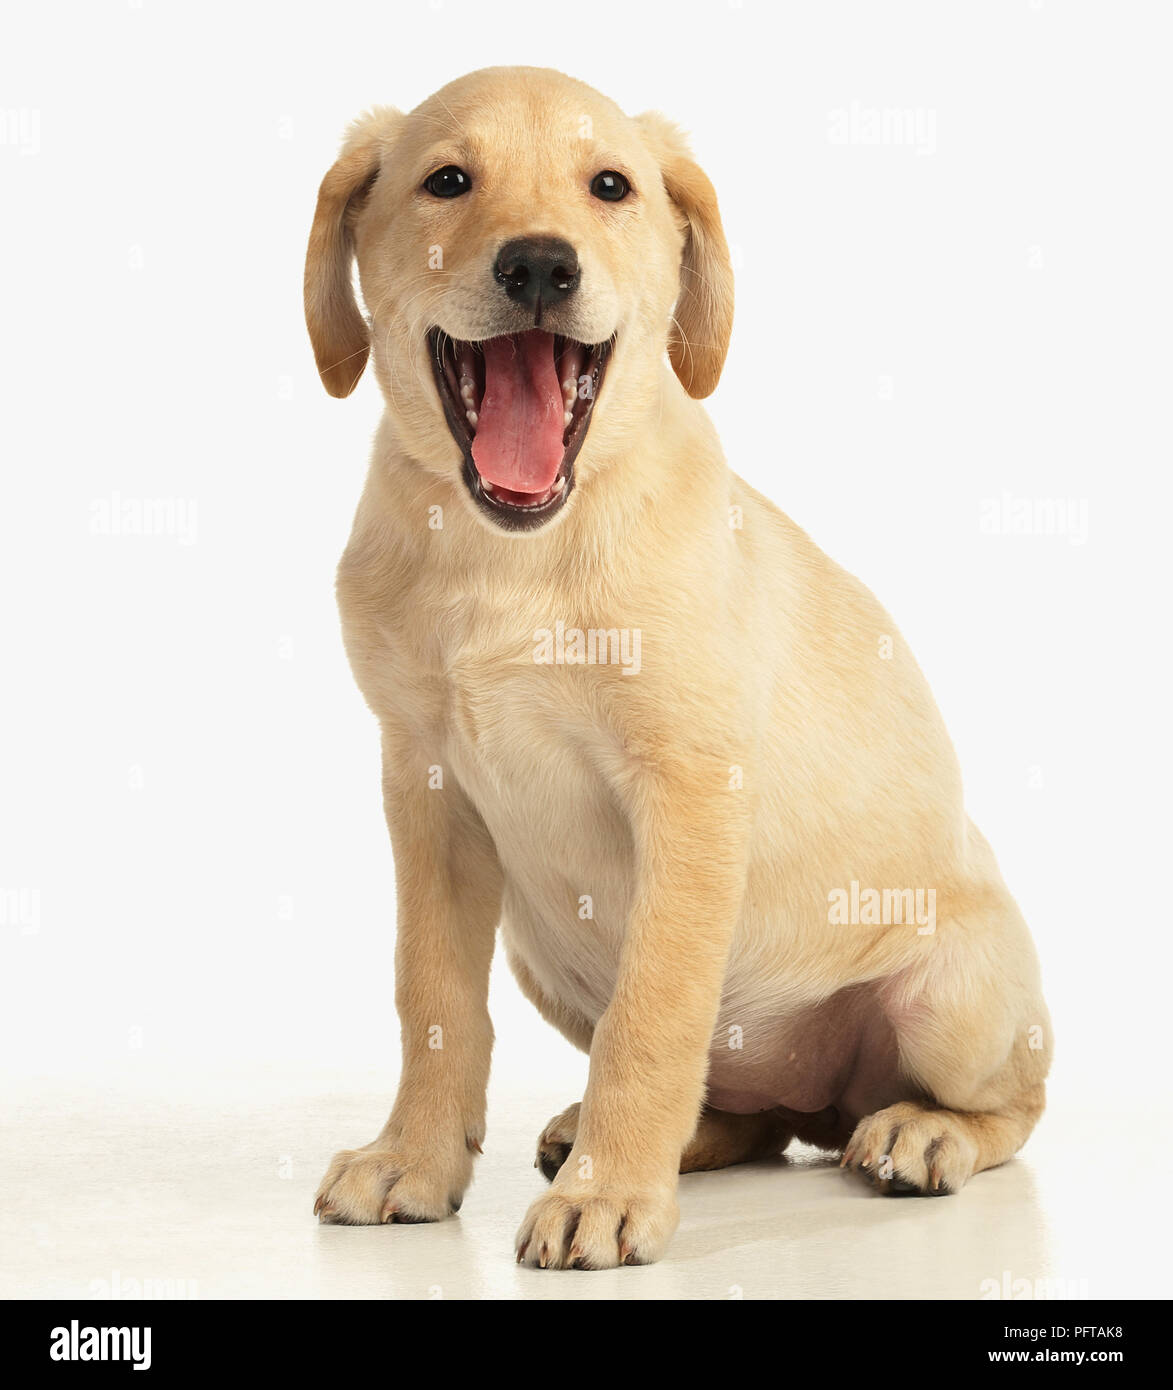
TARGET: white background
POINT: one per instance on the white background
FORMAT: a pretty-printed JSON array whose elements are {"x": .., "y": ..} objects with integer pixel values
[{"x": 197, "y": 885}]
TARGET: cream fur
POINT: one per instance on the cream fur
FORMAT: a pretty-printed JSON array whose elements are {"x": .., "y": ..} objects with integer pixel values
[{"x": 772, "y": 748}]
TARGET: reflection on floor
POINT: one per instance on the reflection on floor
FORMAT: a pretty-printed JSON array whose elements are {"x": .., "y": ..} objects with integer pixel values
[{"x": 212, "y": 1199}]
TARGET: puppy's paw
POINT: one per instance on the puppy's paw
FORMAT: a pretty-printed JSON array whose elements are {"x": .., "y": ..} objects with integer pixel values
[
  {"x": 913, "y": 1149},
  {"x": 556, "y": 1141},
  {"x": 372, "y": 1186},
  {"x": 598, "y": 1228}
]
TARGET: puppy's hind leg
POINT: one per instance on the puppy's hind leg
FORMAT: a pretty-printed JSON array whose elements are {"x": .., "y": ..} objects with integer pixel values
[
  {"x": 976, "y": 1058},
  {"x": 926, "y": 1150},
  {"x": 721, "y": 1140}
]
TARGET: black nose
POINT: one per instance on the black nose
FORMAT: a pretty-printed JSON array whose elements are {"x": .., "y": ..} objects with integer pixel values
[{"x": 538, "y": 271}]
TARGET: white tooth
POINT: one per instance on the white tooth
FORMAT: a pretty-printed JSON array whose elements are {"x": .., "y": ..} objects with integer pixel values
[
  {"x": 567, "y": 418},
  {"x": 568, "y": 386},
  {"x": 570, "y": 367},
  {"x": 559, "y": 484},
  {"x": 466, "y": 393},
  {"x": 471, "y": 417},
  {"x": 488, "y": 487}
]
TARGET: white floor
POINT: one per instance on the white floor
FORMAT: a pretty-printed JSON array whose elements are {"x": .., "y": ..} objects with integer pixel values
[{"x": 212, "y": 1199}]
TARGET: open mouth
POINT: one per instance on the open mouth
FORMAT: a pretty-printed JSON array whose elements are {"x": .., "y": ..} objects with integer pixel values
[{"x": 519, "y": 407}]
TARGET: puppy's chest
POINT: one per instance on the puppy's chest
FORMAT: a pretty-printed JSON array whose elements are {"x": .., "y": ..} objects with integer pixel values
[
  {"x": 501, "y": 714},
  {"x": 523, "y": 740},
  {"x": 522, "y": 743}
]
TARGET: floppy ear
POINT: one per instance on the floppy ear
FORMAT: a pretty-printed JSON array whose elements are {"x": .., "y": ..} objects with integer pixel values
[
  {"x": 703, "y": 317},
  {"x": 337, "y": 330}
]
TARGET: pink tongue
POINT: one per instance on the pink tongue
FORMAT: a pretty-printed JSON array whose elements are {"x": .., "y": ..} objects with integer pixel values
[{"x": 518, "y": 443}]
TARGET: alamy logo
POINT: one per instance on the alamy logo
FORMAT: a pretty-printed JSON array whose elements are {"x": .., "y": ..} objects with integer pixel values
[
  {"x": 21, "y": 907},
  {"x": 177, "y": 517},
  {"x": 1035, "y": 516},
  {"x": 574, "y": 646},
  {"x": 76, "y": 1343},
  {"x": 21, "y": 130},
  {"x": 117, "y": 1287},
  {"x": 906, "y": 127},
  {"x": 883, "y": 907},
  {"x": 1009, "y": 1287}
]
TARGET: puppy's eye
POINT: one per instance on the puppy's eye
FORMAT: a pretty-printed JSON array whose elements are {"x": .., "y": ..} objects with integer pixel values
[
  {"x": 610, "y": 186},
  {"x": 449, "y": 182}
]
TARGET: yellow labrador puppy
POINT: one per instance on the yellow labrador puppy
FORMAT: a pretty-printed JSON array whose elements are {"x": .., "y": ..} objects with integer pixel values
[{"x": 629, "y": 711}]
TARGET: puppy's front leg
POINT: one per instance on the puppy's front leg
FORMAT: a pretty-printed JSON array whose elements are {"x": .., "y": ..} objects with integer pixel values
[
  {"x": 614, "y": 1199},
  {"x": 449, "y": 895}
]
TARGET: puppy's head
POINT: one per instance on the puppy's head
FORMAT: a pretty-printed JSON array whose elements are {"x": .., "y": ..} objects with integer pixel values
[{"x": 526, "y": 254}]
